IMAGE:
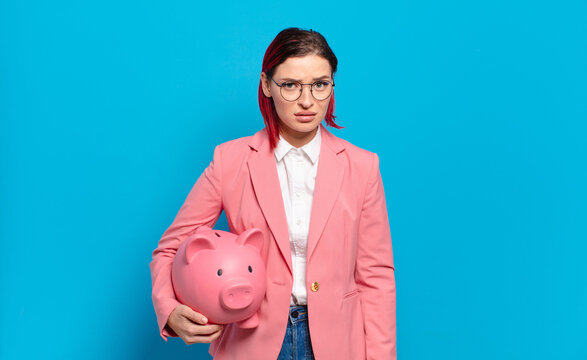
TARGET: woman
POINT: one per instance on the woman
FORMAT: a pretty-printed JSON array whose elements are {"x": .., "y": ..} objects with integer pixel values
[{"x": 319, "y": 200}]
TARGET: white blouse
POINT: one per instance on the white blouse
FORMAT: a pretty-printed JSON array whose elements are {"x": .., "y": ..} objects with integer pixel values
[{"x": 297, "y": 169}]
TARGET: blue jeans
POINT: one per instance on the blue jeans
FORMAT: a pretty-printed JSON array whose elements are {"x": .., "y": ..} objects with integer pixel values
[{"x": 297, "y": 344}]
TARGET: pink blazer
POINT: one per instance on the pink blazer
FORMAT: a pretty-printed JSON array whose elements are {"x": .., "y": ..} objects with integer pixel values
[{"x": 349, "y": 271}]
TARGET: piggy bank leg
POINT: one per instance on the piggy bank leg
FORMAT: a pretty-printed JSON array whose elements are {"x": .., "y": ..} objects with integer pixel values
[{"x": 251, "y": 322}]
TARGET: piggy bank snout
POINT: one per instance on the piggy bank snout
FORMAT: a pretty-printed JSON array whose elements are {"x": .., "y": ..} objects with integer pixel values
[{"x": 237, "y": 295}]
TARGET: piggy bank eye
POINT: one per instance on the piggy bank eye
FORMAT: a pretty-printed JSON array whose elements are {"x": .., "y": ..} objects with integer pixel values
[
  {"x": 250, "y": 269},
  {"x": 219, "y": 272}
]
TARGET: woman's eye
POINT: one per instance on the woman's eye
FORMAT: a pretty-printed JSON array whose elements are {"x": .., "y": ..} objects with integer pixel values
[
  {"x": 289, "y": 85},
  {"x": 321, "y": 84}
]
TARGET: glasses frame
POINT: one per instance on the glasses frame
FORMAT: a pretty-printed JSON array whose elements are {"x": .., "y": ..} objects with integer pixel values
[{"x": 302, "y": 89}]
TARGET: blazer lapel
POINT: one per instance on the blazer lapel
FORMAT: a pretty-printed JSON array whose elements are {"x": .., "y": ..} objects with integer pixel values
[
  {"x": 263, "y": 171},
  {"x": 331, "y": 171}
]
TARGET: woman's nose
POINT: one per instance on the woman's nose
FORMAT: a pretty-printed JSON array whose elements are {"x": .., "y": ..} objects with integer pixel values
[{"x": 306, "y": 100}]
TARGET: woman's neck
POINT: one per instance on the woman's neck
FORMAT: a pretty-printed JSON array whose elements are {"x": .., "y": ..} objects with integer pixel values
[{"x": 299, "y": 139}]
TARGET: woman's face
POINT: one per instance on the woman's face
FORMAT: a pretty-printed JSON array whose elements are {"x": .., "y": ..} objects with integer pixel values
[{"x": 299, "y": 119}]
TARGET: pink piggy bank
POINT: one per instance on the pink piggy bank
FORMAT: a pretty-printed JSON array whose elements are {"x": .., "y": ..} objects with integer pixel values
[{"x": 221, "y": 275}]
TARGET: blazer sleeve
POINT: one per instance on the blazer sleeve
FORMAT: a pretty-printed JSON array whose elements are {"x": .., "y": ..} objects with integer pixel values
[
  {"x": 374, "y": 271},
  {"x": 202, "y": 206}
]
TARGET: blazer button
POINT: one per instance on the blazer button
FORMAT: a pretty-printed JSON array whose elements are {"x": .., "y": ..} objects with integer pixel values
[{"x": 315, "y": 286}]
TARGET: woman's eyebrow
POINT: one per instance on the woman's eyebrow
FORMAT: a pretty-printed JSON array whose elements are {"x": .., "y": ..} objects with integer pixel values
[{"x": 317, "y": 78}]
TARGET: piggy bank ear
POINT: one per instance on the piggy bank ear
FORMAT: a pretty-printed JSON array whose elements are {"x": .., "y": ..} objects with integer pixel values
[
  {"x": 195, "y": 243},
  {"x": 253, "y": 237}
]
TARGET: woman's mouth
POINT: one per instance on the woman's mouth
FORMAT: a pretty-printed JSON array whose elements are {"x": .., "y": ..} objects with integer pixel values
[{"x": 305, "y": 116}]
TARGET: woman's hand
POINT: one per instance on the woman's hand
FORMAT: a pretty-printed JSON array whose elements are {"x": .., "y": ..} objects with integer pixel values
[{"x": 191, "y": 326}]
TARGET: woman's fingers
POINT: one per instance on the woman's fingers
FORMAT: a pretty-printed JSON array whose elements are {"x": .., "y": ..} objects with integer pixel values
[
  {"x": 192, "y": 327},
  {"x": 203, "y": 339},
  {"x": 204, "y": 330}
]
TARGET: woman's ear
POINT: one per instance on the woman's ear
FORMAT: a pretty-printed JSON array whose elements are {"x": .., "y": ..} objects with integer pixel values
[{"x": 265, "y": 85}]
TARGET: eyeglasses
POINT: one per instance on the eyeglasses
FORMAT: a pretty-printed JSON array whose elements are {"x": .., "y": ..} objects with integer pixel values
[{"x": 292, "y": 90}]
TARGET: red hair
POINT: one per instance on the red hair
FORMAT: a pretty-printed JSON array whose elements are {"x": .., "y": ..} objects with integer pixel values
[{"x": 288, "y": 43}]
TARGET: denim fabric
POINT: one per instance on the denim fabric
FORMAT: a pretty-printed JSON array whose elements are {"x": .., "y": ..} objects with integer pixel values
[{"x": 297, "y": 344}]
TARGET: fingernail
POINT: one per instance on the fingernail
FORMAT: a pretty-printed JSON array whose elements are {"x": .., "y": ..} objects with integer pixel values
[{"x": 204, "y": 319}]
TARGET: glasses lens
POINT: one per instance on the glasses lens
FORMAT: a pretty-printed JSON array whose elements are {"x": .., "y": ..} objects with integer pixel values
[
  {"x": 291, "y": 91},
  {"x": 321, "y": 89}
]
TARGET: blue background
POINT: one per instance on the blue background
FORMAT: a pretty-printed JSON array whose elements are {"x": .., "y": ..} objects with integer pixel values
[{"x": 110, "y": 111}]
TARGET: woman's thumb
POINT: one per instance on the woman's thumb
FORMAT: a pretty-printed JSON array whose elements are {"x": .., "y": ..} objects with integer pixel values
[
  {"x": 202, "y": 319},
  {"x": 198, "y": 318}
]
